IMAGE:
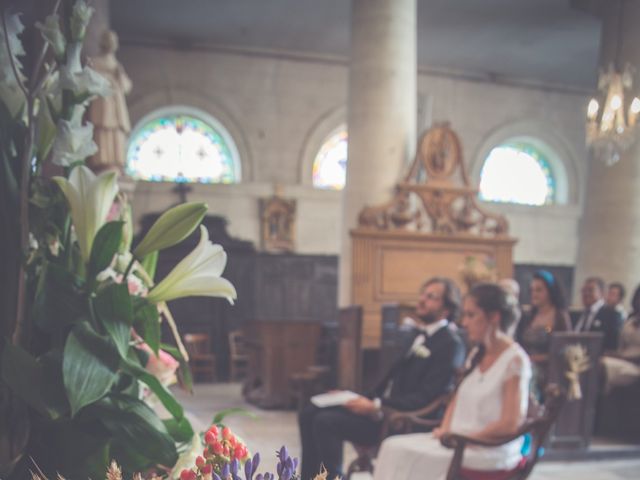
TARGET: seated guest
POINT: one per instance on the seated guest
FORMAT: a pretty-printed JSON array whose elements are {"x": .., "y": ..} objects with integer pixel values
[
  {"x": 426, "y": 372},
  {"x": 615, "y": 296},
  {"x": 597, "y": 316},
  {"x": 491, "y": 401},
  {"x": 548, "y": 314},
  {"x": 623, "y": 367}
]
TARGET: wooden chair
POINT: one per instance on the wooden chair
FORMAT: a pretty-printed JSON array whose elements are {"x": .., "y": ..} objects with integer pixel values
[
  {"x": 537, "y": 425},
  {"x": 201, "y": 360},
  {"x": 239, "y": 358},
  {"x": 396, "y": 422}
]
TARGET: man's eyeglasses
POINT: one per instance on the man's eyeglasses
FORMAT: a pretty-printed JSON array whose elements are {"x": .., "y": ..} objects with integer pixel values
[{"x": 432, "y": 296}]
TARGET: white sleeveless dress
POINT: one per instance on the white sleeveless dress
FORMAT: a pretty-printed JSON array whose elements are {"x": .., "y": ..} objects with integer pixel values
[{"x": 420, "y": 456}]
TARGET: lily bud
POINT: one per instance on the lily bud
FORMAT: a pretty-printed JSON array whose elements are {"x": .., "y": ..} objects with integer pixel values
[
  {"x": 90, "y": 198},
  {"x": 50, "y": 30},
  {"x": 172, "y": 227}
]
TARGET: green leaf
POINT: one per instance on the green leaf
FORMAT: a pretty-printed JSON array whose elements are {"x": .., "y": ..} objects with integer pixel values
[
  {"x": 60, "y": 302},
  {"x": 89, "y": 366},
  {"x": 54, "y": 396},
  {"x": 23, "y": 374},
  {"x": 180, "y": 430},
  {"x": 136, "y": 427},
  {"x": 147, "y": 323},
  {"x": 149, "y": 263},
  {"x": 114, "y": 309},
  {"x": 76, "y": 449},
  {"x": 221, "y": 415},
  {"x": 105, "y": 246},
  {"x": 164, "y": 395}
]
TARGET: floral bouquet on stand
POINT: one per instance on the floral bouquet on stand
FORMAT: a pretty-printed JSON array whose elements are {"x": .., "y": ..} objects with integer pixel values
[{"x": 81, "y": 349}]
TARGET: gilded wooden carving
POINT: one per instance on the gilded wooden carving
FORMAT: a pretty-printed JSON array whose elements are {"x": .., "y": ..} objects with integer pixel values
[{"x": 436, "y": 195}]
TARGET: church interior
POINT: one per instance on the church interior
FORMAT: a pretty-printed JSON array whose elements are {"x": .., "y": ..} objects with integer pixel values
[{"x": 347, "y": 151}]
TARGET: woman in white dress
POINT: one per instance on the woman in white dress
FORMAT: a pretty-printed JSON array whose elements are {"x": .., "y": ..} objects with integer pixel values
[{"x": 491, "y": 401}]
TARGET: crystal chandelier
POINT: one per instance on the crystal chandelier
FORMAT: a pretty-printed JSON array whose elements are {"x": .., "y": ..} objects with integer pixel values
[
  {"x": 612, "y": 113},
  {"x": 611, "y": 128}
]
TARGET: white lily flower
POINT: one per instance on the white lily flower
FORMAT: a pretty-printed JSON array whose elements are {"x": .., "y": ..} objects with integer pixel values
[
  {"x": 52, "y": 34},
  {"x": 198, "y": 274},
  {"x": 80, "y": 17},
  {"x": 73, "y": 143},
  {"x": 90, "y": 198},
  {"x": 14, "y": 29},
  {"x": 85, "y": 83}
]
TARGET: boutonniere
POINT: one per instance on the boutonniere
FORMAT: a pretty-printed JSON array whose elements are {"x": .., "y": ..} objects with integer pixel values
[{"x": 420, "y": 351}]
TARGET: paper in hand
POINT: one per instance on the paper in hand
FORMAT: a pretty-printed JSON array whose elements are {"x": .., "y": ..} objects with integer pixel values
[{"x": 333, "y": 399}]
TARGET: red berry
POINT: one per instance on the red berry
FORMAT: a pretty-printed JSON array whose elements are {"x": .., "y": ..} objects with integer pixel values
[
  {"x": 239, "y": 452},
  {"x": 200, "y": 462},
  {"x": 207, "y": 469},
  {"x": 226, "y": 432},
  {"x": 225, "y": 451},
  {"x": 213, "y": 429},
  {"x": 217, "y": 448},
  {"x": 209, "y": 438},
  {"x": 232, "y": 441},
  {"x": 188, "y": 475}
]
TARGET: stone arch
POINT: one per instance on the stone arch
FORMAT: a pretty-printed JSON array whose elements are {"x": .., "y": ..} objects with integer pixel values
[
  {"x": 155, "y": 102},
  {"x": 560, "y": 154},
  {"x": 328, "y": 123}
]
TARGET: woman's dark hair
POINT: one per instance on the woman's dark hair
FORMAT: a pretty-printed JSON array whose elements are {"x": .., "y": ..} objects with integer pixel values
[
  {"x": 556, "y": 292},
  {"x": 490, "y": 298}
]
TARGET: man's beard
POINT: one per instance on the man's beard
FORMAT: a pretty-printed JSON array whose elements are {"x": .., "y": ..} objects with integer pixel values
[{"x": 428, "y": 318}]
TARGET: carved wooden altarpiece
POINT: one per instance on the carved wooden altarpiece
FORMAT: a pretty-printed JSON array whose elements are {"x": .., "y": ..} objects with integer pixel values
[{"x": 433, "y": 225}]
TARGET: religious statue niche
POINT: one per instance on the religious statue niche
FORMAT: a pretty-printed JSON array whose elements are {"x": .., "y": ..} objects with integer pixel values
[
  {"x": 278, "y": 217},
  {"x": 435, "y": 195},
  {"x": 109, "y": 115}
]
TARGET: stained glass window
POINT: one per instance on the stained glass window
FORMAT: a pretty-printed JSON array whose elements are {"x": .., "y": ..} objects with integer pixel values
[
  {"x": 517, "y": 173},
  {"x": 330, "y": 164},
  {"x": 178, "y": 147}
]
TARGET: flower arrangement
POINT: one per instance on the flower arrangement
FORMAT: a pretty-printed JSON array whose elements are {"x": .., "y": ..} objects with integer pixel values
[
  {"x": 578, "y": 362},
  {"x": 81, "y": 350}
]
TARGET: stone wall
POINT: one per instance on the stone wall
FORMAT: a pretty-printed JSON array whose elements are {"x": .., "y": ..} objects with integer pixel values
[{"x": 278, "y": 109}]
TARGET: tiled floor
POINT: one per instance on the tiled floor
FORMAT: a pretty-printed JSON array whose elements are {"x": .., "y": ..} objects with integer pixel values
[{"x": 266, "y": 430}]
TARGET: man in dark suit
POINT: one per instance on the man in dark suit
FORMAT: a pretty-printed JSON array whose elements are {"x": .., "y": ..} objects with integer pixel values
[
  {"x": 424, "y": 373},
  {"x": 598, "y": 316}
]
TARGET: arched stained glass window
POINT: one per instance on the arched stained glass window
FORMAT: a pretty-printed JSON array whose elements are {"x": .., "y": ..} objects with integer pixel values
[
  {"x": 517, "y": 173},
  {"x": 330, "y": 164},
  {"x": 182, "y": 145}
]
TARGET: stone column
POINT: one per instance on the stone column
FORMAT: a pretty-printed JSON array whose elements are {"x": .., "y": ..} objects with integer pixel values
[
  {"x": 610, "y": 228},
  {"x": 381, "y": 111}
]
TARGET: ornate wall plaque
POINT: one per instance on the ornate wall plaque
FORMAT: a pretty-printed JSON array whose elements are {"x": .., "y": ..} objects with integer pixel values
[{"x": 278, "y": 221}]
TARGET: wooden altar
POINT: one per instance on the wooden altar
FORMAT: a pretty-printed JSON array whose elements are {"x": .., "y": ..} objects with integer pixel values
[{"x": 433, "y": 225}]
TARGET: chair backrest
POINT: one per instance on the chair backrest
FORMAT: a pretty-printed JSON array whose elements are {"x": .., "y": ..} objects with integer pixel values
[
  {"x": 237, "y": 346},
  {"x": 350, "y": 348},
  {"x": 539, "y": 425},
  {"x": 197, "y": 343}
]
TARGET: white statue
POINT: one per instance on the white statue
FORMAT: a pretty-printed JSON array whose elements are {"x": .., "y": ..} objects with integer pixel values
[{"x": 109, "y": 115}]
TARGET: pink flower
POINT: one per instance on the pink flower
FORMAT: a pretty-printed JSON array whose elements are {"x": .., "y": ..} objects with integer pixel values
[{"x": 163, "y": 366}]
